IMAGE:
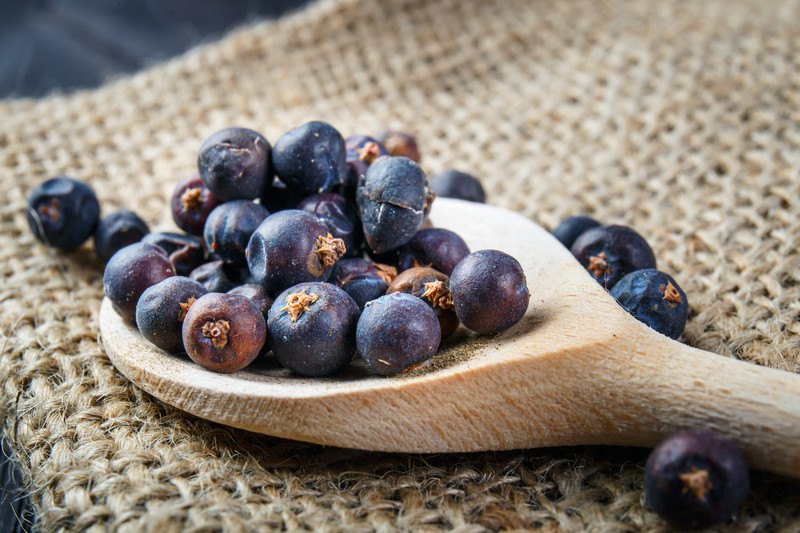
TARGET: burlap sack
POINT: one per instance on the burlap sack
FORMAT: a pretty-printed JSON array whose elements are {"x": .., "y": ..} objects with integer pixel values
[{"x": 680, "y": 118}]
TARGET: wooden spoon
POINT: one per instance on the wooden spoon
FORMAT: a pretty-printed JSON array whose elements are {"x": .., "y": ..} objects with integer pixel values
[{"x": 577, "y": 369}]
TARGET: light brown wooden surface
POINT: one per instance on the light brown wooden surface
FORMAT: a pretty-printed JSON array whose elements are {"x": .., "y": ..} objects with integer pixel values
[{"x": 576, "y": 370}]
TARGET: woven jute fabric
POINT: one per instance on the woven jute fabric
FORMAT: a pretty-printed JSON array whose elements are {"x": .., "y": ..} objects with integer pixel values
[{"x": 679, "y": 118}]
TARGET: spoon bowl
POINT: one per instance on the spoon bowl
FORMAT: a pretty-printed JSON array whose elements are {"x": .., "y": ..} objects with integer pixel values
[{"x": 577, "y": 369}]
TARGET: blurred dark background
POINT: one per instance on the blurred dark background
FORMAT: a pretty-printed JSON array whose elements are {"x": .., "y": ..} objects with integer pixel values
[{"x": 63, "y": 45}]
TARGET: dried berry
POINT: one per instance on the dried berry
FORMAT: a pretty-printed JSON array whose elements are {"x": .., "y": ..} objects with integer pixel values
[
  {"x": 438, "y": 248},
  {"x": 490, "y": 293},
  {"x": 341, "y": 218},
  {"x": 311, "y": 158},
  {"x": 396, "y": 332},
  {"x": 229, "y": 227},
  {"x": 695, "y": 479},
  {"x": 223, "y": 332},
  {"x": 255, "y": 293},
  {"x": 130, "y": 272},
  {"x": 611, "y": 252},
  {"x": 460, "y": 185},
  {"x": 63, "y": 212},
  {"x": 392, "y": 199},
  {"x": 219, "y": 276},
  {"x": 191, "y": 204},
  {"x": 362, "y": 151},
  {"x": 655, "y": 299},
  {"x": 162, "y": 308},
  {"x": 400, "y": 144},
  {"x": 292, "y": 247},
  {"x": 573, "y": 227},
  {"x": 235, "y": 164},
  {"x": 433, "y": 288},
  {"x": 362, "y": 280},
  {"x": 116, "y": 231},
  {"x": 312, "y": 327},
  {"x": 185, "y": 251}
]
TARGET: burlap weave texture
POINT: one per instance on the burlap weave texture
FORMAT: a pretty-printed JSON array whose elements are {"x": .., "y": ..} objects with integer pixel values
[{"x": 680, "y": 118}]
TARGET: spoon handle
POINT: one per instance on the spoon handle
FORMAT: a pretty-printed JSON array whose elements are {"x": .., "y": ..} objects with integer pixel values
[{"x": 662, "y": 386}]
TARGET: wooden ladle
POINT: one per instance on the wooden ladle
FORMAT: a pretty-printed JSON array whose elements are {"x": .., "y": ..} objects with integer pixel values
[{"x": 577, "y": 369}]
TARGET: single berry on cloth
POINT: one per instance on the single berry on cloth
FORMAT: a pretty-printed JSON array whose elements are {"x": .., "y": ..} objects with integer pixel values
[
  {"x": 396, "y": 332},
  {"x": 392, "y": 199},
  {"x": 130, "y": 272},
  {"x": 219, "y": 276},
  {"x": 292, "y": 247},
  {"x": 191, "y": 204},
  {"x": 229, "y": 227},
  {"x": 438, "y": 248},
  {"x": 223, "y": 332},
  {"x": 234, "y": 163},
  {"x": 116, "y": 231},
  {"x": 185, "y": 251},
  {"x": 63, "y": 212},
  {"x": 432, "y": 287},
  {"x": 456, "y": 184},
  {"x": 362, "y": 280},
  {"x": 311, "y": 158},
  {"x": 611, "y": 252},
  {"x": 490, "y": 293},
  {"x": 341, "y": 218},
  {"x": 695, "y": 479},
  {"x": 573, "y": 227},
  {"x": 162, "y": 308},
  {"x": 400, "y": 144},
  {"x": 312, "y": 328},
  {"x": 655, "y": 299},
  {"x": 362, "y": 151}
]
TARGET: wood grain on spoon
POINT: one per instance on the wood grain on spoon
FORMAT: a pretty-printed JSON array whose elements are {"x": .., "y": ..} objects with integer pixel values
[{"x": 576, "y": 370}]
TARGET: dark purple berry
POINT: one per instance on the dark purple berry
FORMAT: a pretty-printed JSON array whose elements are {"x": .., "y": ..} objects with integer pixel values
[
  {"x": 395, "y": 332},
  {"x": 655, "y": 299},
  {"x": 341, "y": 218},
  {"x": 362, "y": 280},
  {"x": 432, "y": 287},
  {"x": 489, "y": 291},
  {"x": 191, "y": 203},
  {"x": 162, "y": 308},
  {"x": 63, "y": 212},
  {"x": 255, "y": 293},
  {"x": 695, "y": 479},
  {"x": 312, "y": 327},
  {"x": 611, "y": 252},
  {"x": 392, "y": 199},
  {"x": 573, "y": 227},
  {"x": 400, "y": 144},
  {"x": 278, "y": 197},
  {"x": 229, "y": 227},
  {"x": 311, "y": 159},
  {"x": 130, "y": 272},
  {"x": 219, "y": 276},
  {"x": 438, "y": 248},
  {"x": 116, "y": 231},
  {"x": 361, "y": 152},
  {"x": 185, "y": 251},
  {"x": 223, "y": 332},
  {"x": 455, "y": 184},
  {"x": 292, "y": 247},
  {"x": 235, "y": 164}
]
